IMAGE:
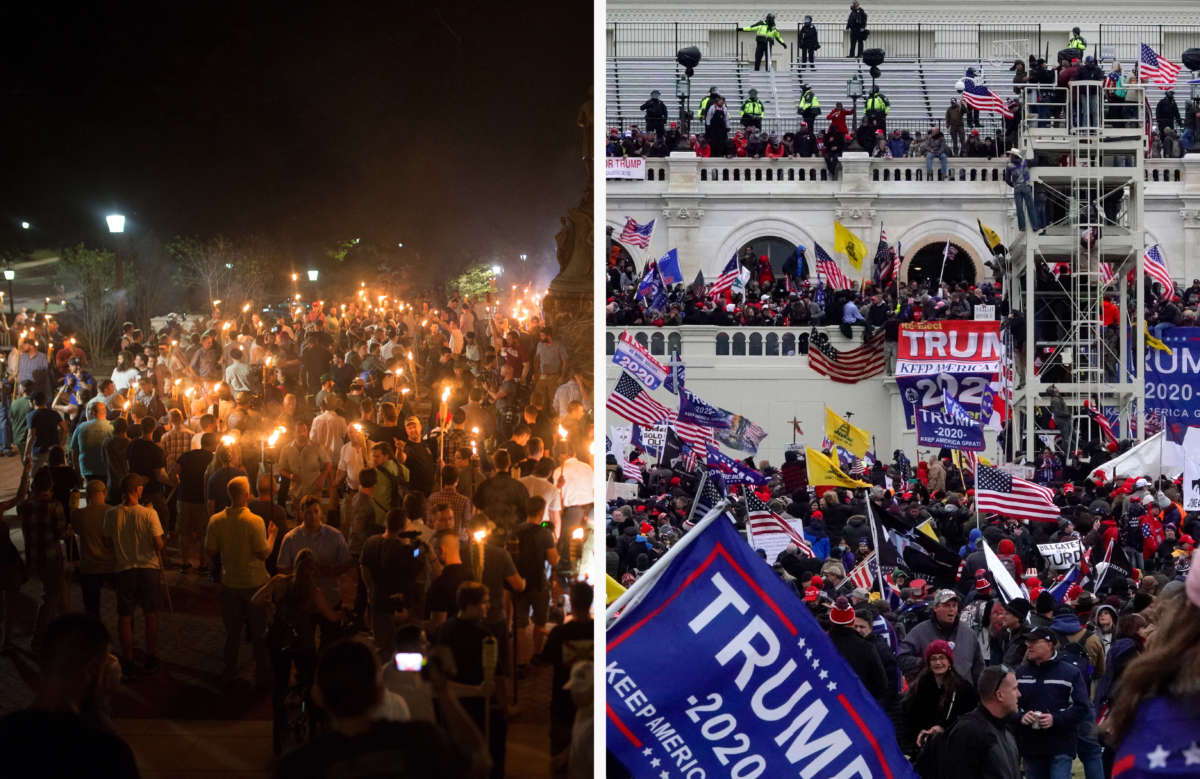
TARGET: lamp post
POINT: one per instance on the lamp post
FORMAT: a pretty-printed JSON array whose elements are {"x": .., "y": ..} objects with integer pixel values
[
  {"x": 116, "y": 224},
  {"x": 313, "y": 274},
  {"x": 854, "y": 90},
  {"x": 9, "y": 275}
]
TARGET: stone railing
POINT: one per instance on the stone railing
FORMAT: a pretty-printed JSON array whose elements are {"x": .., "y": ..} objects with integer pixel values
[
  {"x": 686, "y": 173},
  {"x": 700, "y": 341}
]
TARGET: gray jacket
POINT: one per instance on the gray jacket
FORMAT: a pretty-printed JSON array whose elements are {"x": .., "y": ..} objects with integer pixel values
[{"x": 968, "y": 660}]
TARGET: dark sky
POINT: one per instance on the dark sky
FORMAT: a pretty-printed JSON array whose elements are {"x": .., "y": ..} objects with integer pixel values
[{"x": 301, "y": 122}]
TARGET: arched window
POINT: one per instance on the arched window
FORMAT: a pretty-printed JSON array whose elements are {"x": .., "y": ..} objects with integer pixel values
[
  {"x": 739, "y": 344},
  {"x": 778, "y": 251},
  {"x": 657, "y": 344},
  {"x": 610, "y": 344},
  {"x": 722, "y": 344},
  {"x": 673, "y": 343},
  {"x": 772, "y": 345},
  {"x": 789, "y": 345},
  {"x": 756, "y": 344},
  {"x": 926, "y": 265},
  {"x": 642, "y": 339}
]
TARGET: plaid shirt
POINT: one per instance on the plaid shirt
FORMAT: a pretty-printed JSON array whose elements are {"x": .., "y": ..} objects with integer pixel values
[
  {"x": 460, "y": 504},
  {"x": 43, "y": 524},
  {"x": 174, "y": 443}
]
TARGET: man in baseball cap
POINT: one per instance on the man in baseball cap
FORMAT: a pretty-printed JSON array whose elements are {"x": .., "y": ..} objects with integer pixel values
[{"x": 943, "y": 624}]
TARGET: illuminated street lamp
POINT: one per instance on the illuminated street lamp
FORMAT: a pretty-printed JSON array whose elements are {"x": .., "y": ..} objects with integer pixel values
[
  {"x": 400, "y": 245},
  {"x": 9, "y": 275},
  {"x": 497, "y": 270},
  {"x": 116, "y": 224},
  {"x": 313, "y": 274},
  {"x": 25, "y": 225},
  {"x": 524, "y": 257}
]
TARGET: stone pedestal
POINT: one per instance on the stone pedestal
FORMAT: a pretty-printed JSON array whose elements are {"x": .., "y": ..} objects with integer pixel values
[{"x": 568, "y": 304}]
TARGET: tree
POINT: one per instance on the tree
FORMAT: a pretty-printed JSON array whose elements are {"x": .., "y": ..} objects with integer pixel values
[
  {"x": 95, "y": 309},
  {"x": 474, "y": 282},
  {"x": 207, "y": 264}
]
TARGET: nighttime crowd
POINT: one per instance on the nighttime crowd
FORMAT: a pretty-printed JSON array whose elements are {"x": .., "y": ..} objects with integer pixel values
[
  {"x": 390, "y": 501},
  {"x": 1101, "y": 668}
]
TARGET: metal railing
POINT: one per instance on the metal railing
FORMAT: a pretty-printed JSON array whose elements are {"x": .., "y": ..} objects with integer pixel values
[
  {"x": 1086, "y": 105},
  {"x": 1122, "y": 42},
  {"x": 664, "y": 39},
  {"x": 966, "y": 42}
]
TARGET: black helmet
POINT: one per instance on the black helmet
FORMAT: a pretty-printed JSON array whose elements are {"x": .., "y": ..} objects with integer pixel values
[
  {"x": 770, "y": 18},
  {"x": 655, "y": 93},
  {"x": 753, "y": 92},
  {"x": 1075, "y": 30}
]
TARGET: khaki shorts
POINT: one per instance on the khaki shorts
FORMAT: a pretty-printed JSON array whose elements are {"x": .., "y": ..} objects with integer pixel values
[{"x": 193, "y": 519}]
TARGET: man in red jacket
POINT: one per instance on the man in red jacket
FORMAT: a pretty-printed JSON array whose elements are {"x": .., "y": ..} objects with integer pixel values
[{"x": 837, "y": 119}]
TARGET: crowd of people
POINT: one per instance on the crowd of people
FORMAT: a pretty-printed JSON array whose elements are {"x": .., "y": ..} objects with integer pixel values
[
  {"x": 1100, "y": 668},
  {"x": 390, "y": 500},
  {"x": 724, "y": 134}
]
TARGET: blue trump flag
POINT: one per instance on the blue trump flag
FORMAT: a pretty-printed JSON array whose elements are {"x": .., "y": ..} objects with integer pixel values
[
  {"x": 693, "y": 409},
  {"x": 668, "y": 268},
  {"x": 734, "y": 471},
  {"x": 716, "y": 668}
]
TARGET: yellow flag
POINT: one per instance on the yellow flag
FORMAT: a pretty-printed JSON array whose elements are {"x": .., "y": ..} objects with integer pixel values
[
  {"x": 853, "y": 439},
  {"x": 1155, "y": 343},
  {"x": 849, "y": 244},
  {"x": 612, "y": 590},
  {"x": 926, "y": 527},
  {"x": 989, "y": 236},
  {"x": 823, "y": 472}
]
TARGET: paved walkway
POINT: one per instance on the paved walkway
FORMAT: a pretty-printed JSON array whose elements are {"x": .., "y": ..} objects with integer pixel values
[{"x": 178, "y": 721}]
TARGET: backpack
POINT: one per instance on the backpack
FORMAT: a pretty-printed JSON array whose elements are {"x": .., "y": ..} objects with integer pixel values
[
  {"x": 402, "y": 573},
  {"x": 395, "y": 487},
  {"x": 531, "y": 557},
  {"x": 1076, "y": 654}
]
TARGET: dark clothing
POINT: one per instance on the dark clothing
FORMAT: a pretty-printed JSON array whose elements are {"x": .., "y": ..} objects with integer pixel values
[
  {"x": 412, "y": 750},
  {"x": 54, "y": 744},
  {"x": 503, "y": 499},
  {"x": 395, "y": 566},
  {"x": 656, "y": 114},
  {"x": 421, "y": 466},
  {"x": 927, "y": 705},
  {"x": 856, "y": 23},
  {"x": 1054, "y": 687},
  {"x": 863, "y": 659},
  {"x": 145, "y": 458},
  {"x": 983, "y": 746},
  {"x": 566, "y": 643},
  {"x": 43, "y": 425},
  {"x": 532, "y": 543},
  {"x": 444, "y": 592},
  {"x": 1122, "y": 651},
  {"x": 192, "y": 466}
]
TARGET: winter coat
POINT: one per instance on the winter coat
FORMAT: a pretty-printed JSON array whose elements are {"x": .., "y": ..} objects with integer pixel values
[
  {"x": 983, "y": 747},
  {"x": 926, "y": 706},
  {"x": 808, "y": 37},
  {"x": 862, "y": 657},
  {"x": 968, "y": 661},
  {"x": 1122, "y": 651},
  {"x": 1054, "y": 687},
  {"x": 954, "y": 116},
  {"x": 937, "y": 477},
  {"x": 935, "y": 144}
]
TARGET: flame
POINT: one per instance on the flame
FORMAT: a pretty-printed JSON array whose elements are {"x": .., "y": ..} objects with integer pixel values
[
  {"x": 446, "y": 393},
  {"x": 562, "y": 433},
  {"x": 475, "y": 430},
  {"x": 405, "y": 391},
  {"x": 577, "y": 534},
  {"x": 479, "y": 536},
  {"x": 216, "y": 303},
  {"x": 178, "y": 382},
  {"x": 245, "y": 308},
  {"x": 227, "y": 440},
  {"x": 357, "y": 427}
]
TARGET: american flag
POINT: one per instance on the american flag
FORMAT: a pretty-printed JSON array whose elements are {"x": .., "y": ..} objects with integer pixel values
[
  {"x": 863, "y": 574},
  {"x": 1102, "y": 422},
  {"x": 1000, "y": 493},
  {"x": 829, "y": 269},
  {"x": 635, "y": 234},
  {"x": 981, "y": 98},
  {"x": 729, "y": 274},
  {"x": 628, "y": 401},
  {"x": 1106, "y": 274},
  {"x": 1156, "y": 268},
  {"x": 1155, "y": 68},
  {"x": 849, "y": 367},
  {"x": 763, "y": 521},
  {"x": 712, "y": 493},
  {"x": 970, "y": 461},
  {"x": 897, "y": 258},
  {"x": 631, "y": 471},
  {"x": 697, "y": 436}
]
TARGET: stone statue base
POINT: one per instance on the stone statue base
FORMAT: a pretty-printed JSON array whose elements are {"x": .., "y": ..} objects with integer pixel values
[{"x": 568, "y": 304}]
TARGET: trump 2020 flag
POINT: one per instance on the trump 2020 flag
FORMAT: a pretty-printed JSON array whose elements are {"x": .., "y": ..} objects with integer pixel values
[
  {"x": 668, "y": 268},
  {"x": 716, "y": 668}
]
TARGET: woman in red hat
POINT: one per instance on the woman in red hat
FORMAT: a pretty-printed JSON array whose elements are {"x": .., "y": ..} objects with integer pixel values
[{"x": 938, "y": 697}]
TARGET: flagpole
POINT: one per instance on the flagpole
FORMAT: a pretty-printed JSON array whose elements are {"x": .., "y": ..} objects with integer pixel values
[
  {"x": 636, "y": 593},
  {"x": 875, "y": 544},
  {"x": 696, "y": 499}
]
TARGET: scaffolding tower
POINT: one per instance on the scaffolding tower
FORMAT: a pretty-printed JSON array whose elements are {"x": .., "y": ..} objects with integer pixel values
[{"x": 1071, "y": 279}]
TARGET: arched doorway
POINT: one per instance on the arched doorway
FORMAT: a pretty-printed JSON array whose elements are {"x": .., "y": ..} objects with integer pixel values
[
  {"x": 926, "y": 265},
  {"x": 777, "y": 249}
]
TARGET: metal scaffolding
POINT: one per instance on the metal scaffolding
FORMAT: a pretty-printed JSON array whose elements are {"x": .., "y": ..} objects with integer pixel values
[{"x": 1083, "y": 319}]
